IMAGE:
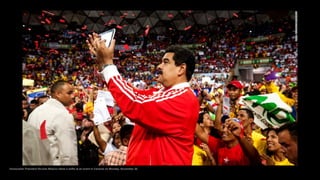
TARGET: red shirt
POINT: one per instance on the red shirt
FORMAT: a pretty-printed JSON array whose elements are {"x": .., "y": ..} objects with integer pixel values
[
  {"x": 165, "y": 122},
  {"x": 226, "y": 156}
]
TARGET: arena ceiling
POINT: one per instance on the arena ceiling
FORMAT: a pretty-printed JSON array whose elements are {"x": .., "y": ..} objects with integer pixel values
[{"x": 136, "y": 21}]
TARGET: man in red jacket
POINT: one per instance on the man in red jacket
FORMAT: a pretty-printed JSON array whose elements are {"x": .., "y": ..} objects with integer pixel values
[{"x": 165, "y": 119}]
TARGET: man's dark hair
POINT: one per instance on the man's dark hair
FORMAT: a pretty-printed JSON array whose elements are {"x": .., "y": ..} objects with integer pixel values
[
  {"x": 292, "y": 128},
  {"x": 79, "y": 106},
  {"x": 34, "y": 101},
  {"x": 126, "y": 131},
  {"x": 57, "y": 85},
  {"x": 200, "y": 117},
  {"x": 249, "y": 112},
  {"x": 183, "y": 55}
]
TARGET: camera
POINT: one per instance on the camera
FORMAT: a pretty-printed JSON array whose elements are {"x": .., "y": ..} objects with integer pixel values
[{"x": 236, "y": 120}]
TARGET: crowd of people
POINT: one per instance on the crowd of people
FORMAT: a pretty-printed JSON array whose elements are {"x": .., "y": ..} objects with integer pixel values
[
  {"x": 172, "y": 118},
  {"x": 216, "y": 52}
]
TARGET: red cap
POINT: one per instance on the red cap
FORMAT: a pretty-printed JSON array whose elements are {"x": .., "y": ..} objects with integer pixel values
[{"x": 236, "y": 84}]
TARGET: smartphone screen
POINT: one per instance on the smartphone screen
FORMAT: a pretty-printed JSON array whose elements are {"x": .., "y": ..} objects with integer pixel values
[{"x": 108, "y": 36}]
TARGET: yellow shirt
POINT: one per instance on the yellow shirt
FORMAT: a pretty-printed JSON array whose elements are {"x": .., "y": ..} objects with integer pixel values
[
  {"x": 88, "y": 108},
  {"x": 284, "y": 162},
  {"x": 273, "y": 88},
  {"x": 259, "y": 142},
  {"x": 199, "y": 156}
]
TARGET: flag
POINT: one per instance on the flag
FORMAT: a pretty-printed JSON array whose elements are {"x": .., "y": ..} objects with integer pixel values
[
  {"x": 269, "y": 110},
  {"x": 43, "y": 131},
  {"x": 32, "y": 94},
  {"x": 100, "y": 110}
]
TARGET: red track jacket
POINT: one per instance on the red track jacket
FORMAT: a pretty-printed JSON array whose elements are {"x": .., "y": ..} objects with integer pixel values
[{"x": 165, "y": 121}]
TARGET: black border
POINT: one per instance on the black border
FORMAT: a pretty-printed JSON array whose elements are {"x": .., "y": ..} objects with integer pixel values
[{"x": 15, "y": 129}]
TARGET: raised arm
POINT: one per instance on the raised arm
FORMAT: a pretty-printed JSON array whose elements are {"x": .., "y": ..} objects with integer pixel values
[
  {"x": 218, "y": 113},
  {"x": 249, "y": 150},
  {"x": 201, "y": 134}
]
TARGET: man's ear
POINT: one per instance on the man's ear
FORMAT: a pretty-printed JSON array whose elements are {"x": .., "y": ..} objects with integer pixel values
[
  {"x": 125, "y": 141},
  {"x": 251, "y": 120},
  {"x": 182, "y": 69}
]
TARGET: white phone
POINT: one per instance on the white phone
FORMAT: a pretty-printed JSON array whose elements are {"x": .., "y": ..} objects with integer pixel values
[{"x": 108, "y": 36}]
